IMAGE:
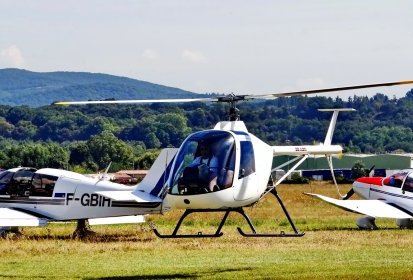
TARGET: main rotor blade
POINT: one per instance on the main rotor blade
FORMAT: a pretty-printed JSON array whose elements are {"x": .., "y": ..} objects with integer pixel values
[
  {"x": 135, "y": 101},
  {"x": 234, "y": 98},
  {"x": 304, "y": 92}
]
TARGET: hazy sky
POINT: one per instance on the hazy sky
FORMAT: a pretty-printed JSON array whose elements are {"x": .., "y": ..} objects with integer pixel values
[{"x": 245, "y": 47}]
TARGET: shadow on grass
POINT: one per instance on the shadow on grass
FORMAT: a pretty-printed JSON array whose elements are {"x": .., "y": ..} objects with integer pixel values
[
  {"x": 173, "y": 276},
  {"x": 93, "y": 238},
  {"x": 352, "y": 229}
]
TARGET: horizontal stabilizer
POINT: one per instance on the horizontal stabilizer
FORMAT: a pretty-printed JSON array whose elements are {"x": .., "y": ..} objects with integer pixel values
[
  {"x": 138, "y": 196},
  {"x": 16, "y": 218},
  {"x": 117, "y": 220},
  {"x": 372, "y": 208}
]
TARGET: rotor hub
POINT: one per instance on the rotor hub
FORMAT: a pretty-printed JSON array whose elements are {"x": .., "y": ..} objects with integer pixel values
[{"x": 232, "y": 99}]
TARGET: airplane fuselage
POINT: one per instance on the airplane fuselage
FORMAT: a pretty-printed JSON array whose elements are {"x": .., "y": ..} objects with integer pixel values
[
  {"x": 395, "y": 190},
  {"x": 64, "y": 195}
]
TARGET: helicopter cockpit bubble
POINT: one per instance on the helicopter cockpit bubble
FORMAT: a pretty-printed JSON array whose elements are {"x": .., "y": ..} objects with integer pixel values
[{"x": 205, "y": 163}]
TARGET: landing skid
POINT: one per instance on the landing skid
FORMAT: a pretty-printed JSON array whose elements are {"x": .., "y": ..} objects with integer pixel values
[
  {"x": 282, "y": 233},
  {"x": 218, "y": 232}
]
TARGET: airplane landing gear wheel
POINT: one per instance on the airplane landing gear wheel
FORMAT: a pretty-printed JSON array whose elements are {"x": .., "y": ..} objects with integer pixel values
[
  {"x": 7, "y": 231},
  {"x": 83, "y": 230}
]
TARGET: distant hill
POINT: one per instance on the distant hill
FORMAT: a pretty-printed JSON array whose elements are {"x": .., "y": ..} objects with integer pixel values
[{"x": 22, "y": 87}]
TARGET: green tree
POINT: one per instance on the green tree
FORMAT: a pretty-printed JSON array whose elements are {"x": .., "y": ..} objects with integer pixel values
[
  {"x": 358, "y": 170},
  {"x": 106, "y": 147},
  {"x": 145, "y": 160},
  {"x": 151, "y": 141}
]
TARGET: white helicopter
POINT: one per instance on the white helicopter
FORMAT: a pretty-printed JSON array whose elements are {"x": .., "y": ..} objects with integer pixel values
[
  {"x": 237, "y": 178},
  {"x": 385, "y": 197}
]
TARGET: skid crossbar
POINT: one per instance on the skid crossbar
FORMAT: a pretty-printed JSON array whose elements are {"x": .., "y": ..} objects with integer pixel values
[{"x": 219, "y": 233}]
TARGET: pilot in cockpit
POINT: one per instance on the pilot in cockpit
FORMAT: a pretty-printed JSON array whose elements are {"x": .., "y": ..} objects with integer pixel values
[
  {"x": 207, "y": 164},
  {"x": 395, "y": 180}
]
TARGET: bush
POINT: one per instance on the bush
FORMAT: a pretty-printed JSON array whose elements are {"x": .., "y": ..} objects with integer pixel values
[{"x": 297, "y": 179}]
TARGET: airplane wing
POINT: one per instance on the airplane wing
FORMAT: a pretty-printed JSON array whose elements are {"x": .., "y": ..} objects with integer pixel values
[
  {"x": 372, "y": 208},
  {"x": 117, "y": 220},
  {"x": 15, "y": 218}
]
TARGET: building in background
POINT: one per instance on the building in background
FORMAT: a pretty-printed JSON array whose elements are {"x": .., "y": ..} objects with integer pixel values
[{"x": 317, "y": 167}]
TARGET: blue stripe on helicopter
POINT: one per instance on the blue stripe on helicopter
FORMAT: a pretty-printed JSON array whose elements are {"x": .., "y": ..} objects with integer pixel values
[
  {"x": 240, "y": 132},
  {"x": 60, "y": 194},
  {"x": 160, "y": 184}
]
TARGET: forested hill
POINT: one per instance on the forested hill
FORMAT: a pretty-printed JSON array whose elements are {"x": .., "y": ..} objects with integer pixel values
[
  {"x": 22, "y": 87},
  {"x": 87, "y": 138}
]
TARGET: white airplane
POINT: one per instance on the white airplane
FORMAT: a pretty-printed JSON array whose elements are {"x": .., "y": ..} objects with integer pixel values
[
  {"x": 235, "y": 176},
  {"x": 385, "y": 197},
  {"x": 30, "y": 197}
]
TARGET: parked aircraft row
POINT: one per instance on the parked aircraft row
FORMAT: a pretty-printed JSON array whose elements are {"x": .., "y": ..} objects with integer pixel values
[{"x": 224, "y": 169}]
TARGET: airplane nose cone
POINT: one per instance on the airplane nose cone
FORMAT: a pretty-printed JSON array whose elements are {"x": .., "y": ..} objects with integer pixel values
[
  {"x": 362, "y": 185},
  {"x": 377, "y": 181}
]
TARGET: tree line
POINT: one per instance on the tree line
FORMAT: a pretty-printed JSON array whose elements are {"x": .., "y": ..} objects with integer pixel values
[{"x": 87, "y": 138}]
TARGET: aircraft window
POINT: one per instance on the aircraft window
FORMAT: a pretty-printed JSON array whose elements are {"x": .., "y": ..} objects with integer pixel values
[
  {"x": 5, "y": 179},
  {"x": 21, "y": 182},
  {"x": 247, "y": 164},
  {"x": 408, "y": 183},
  {"x": 43, "y": 185},
  {"x": 395, "y": 180},
  {"x": 205, "y": 163}
]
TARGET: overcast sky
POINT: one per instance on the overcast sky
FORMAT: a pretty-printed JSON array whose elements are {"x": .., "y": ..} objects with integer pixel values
[{"x": 245, "y": 47}]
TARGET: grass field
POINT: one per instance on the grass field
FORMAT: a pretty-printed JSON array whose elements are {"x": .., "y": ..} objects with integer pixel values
[{"x": 331, "y": 248}]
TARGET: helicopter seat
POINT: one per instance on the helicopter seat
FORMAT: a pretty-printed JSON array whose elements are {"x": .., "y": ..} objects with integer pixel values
[{"x": 194, "y": 179}]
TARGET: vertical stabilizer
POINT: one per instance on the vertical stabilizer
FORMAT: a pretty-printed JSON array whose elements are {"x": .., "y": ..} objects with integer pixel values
[
  {"x": 332, "y": 126},
  {"x": 154, "y": 181}
]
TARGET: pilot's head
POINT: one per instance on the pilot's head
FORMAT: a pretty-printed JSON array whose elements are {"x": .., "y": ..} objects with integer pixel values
[{"x": 204, "y": 150}]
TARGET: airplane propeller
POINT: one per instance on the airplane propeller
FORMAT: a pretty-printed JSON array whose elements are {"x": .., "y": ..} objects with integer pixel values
[
  {"x": 371, "y": 169},
  {"x": 348, "y": 194},
  {"x": 351, "y": 191}
]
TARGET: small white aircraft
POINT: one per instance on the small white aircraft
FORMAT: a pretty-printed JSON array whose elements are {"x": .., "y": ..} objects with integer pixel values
[
  {"x": 235, "y": 175},
  {"x": 30, "y": 197},
  {"x": 385, "y": 197}
]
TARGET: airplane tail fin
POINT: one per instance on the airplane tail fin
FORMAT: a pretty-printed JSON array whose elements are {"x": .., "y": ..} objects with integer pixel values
[
  {"x": 152, "y": 188},
  {"x": 154, "y": 181}
]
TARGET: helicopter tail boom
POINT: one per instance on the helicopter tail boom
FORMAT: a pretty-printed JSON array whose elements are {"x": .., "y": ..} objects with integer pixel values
[
  {"x": 307, "y": 150},
  {"x": 323, "y": 149}
]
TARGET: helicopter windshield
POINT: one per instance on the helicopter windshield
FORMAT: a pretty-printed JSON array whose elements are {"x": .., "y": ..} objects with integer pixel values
[{"x": 205, "y": 163}]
